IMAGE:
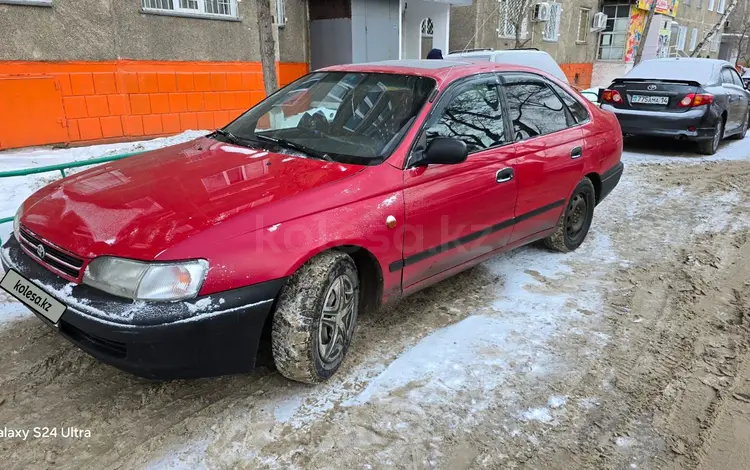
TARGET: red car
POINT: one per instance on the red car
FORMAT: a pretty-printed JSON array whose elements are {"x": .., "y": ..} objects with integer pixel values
[{"x": 352, "y": 187}]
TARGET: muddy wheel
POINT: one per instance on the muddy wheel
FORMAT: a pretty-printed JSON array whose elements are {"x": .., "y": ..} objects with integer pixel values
[
  {"x": 575, "y": 220},
  {"x": 743, "y": 131},
  {"x": 315, "y": 318},
  {"x": 710, "y": 147}
]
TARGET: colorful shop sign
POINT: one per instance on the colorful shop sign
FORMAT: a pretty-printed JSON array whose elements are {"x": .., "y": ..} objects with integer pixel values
[{"x": 663, "y": 7}]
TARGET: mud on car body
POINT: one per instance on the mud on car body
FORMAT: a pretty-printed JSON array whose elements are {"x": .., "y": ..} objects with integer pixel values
[{"x": 352, "y": 187}]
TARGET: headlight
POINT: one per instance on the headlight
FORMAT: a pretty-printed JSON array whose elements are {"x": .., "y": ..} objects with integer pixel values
[
  {"x": 146, "y": 281},
  {"x": 17, "y": 224}
]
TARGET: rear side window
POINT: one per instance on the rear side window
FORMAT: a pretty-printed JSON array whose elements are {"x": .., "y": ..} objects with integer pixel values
[
  {"x": 475, "y": 116},
  {"x": 578, "y": 110},
  {"x": 726, "y": 77},
  {"x": 534, "y": 108},
  {"x": 736, "y": 78}
]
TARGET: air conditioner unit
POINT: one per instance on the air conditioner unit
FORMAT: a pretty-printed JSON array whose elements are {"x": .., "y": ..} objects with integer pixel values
[
  {"x": 541, "y": 12},
  {"x": 600, "y": 22}
]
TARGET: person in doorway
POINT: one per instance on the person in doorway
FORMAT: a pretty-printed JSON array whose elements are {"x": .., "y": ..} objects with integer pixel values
[{"x": 435, "y": 54}]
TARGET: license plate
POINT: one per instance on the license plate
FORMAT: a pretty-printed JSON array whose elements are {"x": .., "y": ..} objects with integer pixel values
[
  {"x": 33, "y": 297},
  {"x": 640, "y": 99}
]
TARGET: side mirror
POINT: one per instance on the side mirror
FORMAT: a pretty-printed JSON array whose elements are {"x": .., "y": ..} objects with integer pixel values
[{"x": 444, "y": 151}]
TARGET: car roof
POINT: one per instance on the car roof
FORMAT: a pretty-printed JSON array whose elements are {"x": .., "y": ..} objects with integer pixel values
[
  {"x": 445, "y": 70},
  {"x": 676, "y": 68},
  {"x": 527, "y": 57}
]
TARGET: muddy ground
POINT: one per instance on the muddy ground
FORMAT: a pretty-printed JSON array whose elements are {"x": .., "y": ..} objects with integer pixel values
[{"x": 631, "y": 352}]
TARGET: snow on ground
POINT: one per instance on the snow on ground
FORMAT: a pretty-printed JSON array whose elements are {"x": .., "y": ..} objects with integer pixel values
[{"x": 532, "y": 303}]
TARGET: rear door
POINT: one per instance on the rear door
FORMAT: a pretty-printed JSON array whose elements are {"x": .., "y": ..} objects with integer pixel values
[
  {"x": 735, "y": 101},
  {"x": 549, "y": 151}
]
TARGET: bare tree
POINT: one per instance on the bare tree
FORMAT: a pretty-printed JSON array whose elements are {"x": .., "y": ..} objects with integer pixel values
[
  {"x": 741, "y": 40},
  {"x": 520, "y": 18},
  {"x": 267, "y": 46},
  {"x": 644, "y": 35},
  {"x": 716, "y": 28}
]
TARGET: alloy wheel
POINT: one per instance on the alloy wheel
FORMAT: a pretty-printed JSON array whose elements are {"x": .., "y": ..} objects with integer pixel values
[{"x": 336, "y": 322}]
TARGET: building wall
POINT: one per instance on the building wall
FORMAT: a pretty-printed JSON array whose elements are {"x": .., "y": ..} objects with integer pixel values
[
  {"x": 476, "y": 26},
  {"x": 411, "y": 28},
  {"x": 696, "y": 15},
  {"x": 101, "y": 70}
]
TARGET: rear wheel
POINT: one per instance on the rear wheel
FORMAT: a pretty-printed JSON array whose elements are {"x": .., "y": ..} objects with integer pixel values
[
  {"x": 575, "y": 220},
  {"x": 315, "y": 318},
  {"x": 710, "y": 147},
  {"x": 741, "y": 135}
]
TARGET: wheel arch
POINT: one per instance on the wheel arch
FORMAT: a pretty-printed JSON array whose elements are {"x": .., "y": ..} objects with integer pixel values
[{"x": 596, "y": 180}]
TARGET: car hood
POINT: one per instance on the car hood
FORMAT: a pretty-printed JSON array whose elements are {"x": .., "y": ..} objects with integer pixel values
[{"x": 140, "y": 206}]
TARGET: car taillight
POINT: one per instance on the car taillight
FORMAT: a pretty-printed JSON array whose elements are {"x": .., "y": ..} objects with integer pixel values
[
  {"x": 612, "y": 96},
  {"x": 695, "y": 99}
]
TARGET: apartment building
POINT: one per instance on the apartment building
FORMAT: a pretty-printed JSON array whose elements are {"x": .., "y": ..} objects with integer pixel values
[
  {"x": 589, "y": 54},
  {"x": 676, "y": 30},
  {"x": 79, "y": 71}
]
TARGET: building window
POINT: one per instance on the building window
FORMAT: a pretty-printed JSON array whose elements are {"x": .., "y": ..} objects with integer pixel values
[
  {"x": 698, "y": 3},
  {"x": 219, "y": 8},
  {"x": 682, "y": 38},
  {"x": 686, "y": 2},
  {"x": 693, "y": 39},
  {"x": 583, "y": 25},
  {"x": 614, "y": 37},
  {"x": 552, "y": 26},
  {"x": 722, "y": 5},
  {"x": 511, "y": 13},
  {"x": 428, "y": 28},
  {"x": 280, "y": 13},
  {"x": 711, "y": 5}
]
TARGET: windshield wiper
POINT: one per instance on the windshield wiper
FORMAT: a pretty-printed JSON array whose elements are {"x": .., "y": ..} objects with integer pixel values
[
  {"x": 230, "y": 137},
  {"x": 295, "y": 146}
]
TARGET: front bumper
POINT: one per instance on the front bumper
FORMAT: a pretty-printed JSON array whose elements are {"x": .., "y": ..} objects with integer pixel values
[
  {"x": 211, "y": 335},
  {"x": 664, "y": 124}
]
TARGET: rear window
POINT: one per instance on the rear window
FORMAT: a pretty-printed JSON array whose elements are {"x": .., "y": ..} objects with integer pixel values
[{"x": 694, "y": 70}]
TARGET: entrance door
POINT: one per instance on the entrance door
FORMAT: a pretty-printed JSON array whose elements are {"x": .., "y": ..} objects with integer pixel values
[{"x": 381, "y": 29}]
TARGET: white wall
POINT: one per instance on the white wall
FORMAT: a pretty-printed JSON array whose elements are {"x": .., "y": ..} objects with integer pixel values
[
  {"x": 605, "y": 72},
  {"x": 411, "y": 26}
]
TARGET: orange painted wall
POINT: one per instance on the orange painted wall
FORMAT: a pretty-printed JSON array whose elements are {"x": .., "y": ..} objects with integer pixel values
[
  {"x": 123, "y": 99},
  {"x": 584, "y": 72}
]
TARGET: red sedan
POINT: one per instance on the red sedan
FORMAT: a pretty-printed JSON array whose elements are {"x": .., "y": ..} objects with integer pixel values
[{"x": 352, "y": 187}]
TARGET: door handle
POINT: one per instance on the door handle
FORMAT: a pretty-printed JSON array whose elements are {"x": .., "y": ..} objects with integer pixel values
[
  {"x": 504, "y": 175},
  {"x": 576, "y": 153}
]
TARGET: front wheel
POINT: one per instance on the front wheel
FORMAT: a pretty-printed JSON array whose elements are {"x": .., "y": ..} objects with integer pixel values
[
  {"x": 575, "y": 220},
  {"x": 315, "y": 318}
]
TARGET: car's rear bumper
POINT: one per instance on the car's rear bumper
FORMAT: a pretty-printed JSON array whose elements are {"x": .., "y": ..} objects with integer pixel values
[
  {"x": 609, "y": 180},
  {"x": 663, "y": 124},
  {"x": 207, "y": 336}
]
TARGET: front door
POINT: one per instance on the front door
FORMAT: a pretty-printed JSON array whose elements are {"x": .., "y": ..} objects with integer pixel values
[
  {"x": 549, "y": 151},
  {"x": 455, "y": 213}
]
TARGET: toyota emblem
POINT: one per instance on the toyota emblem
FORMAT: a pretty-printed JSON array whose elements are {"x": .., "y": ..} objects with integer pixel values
[
  {"x": 652, "y": 87},
  {"x": 40, "y": 251}
]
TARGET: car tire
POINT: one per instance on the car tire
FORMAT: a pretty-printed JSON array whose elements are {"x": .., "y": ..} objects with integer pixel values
[
  {"x": 743, "y": 132},
  {"x": 315, "y": 318},
  {"x": 711, "y": 146},
  {"x": 575, "y": 220}
]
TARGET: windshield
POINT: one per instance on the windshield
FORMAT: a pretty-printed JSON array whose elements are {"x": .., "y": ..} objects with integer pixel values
[{"x": 343, "y": 116}]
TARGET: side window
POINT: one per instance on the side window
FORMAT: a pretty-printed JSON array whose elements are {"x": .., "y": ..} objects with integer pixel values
[
  {"x": 474, "y": 116},
  {"x": 534, "y": 109},
  {"x": 576, "y": 108},
  {"x": 736, "y": 78},
  {"x": 726, "y": 77}
]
